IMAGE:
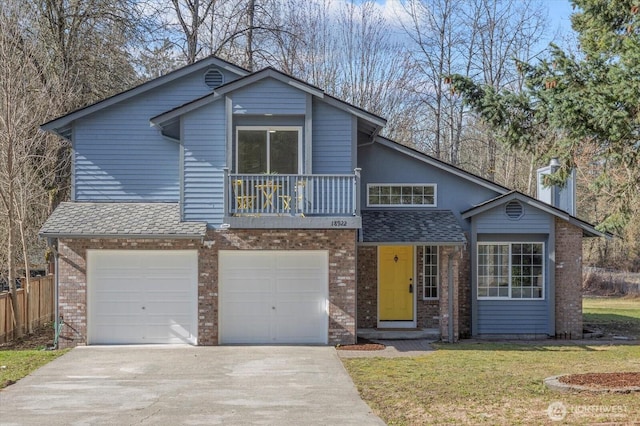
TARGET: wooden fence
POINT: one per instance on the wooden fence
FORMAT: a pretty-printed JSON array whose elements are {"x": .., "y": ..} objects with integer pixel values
[{"x": 36, "y": 311}]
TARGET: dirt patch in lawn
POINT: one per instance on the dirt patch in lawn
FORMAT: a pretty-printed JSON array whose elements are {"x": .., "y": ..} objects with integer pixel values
[
  {"x": 603, "y": 380},
  {"x": 362, "y": 345},
  {"x": 40, "y": 338}
]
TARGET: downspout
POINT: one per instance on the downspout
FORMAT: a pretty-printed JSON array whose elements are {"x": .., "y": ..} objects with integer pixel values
[
  {"x": 450, "y": 294},
  {"x": 56, "y": 280}
]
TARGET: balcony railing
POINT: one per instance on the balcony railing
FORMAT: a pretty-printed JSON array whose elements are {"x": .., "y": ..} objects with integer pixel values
[{"x": 292, "y": 195}]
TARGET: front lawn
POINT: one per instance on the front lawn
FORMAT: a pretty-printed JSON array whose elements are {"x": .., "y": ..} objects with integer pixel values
[
  {"x": 16, "y": 364},
  {"x": 493, "y": 383},
  {"x": 613, "y": 315},
  {"x": 501, "y": 383}
]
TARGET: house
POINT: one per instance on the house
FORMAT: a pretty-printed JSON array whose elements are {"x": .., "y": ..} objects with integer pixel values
[{"x": 217, "y": 206}]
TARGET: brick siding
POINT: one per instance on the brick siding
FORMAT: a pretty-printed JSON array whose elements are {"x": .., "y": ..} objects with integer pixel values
[
  {"x": 445, "y": 253},
  {"x": 568, "y": 280},
  {"x": 367, "y": 286},
  {"x": 464, "y": 293},
  {"x": 342, "y": 282}
]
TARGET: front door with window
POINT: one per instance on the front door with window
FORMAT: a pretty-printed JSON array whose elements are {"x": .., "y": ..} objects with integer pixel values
[{"x": 395, "y": 286}]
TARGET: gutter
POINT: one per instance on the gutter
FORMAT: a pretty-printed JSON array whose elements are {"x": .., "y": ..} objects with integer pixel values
[
  {"x": 128, "y": 236},
  {"x": 56, "y": 283}
]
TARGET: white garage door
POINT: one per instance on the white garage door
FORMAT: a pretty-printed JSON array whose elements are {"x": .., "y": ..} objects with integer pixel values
[
  {"x": 273, "y": 296},
  {"x": 142, "y": 296}
]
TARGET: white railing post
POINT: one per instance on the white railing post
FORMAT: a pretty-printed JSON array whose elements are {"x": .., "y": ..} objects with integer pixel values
[
  {"x": 356, "y": 191},
  {"x": 227, "y": 189}
]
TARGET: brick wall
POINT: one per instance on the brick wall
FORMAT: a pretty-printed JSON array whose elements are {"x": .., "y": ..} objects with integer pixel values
[
  {"x": 445, "y": 253},
  {"x": 464, "y": 292},
  {"x": 367, "y": 286},
  {"x": 342, "y": 287},
  {"x": 568, "y": 280}
]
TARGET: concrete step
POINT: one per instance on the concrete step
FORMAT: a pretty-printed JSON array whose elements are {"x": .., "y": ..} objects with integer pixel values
[{"x": 399, "y": 333}]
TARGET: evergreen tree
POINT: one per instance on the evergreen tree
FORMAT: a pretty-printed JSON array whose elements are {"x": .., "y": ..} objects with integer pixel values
[{"x": 577, "y": 103}]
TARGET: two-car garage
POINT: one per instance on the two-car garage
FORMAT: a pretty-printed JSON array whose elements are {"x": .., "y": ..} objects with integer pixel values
[{"x": 151, "y": 296}]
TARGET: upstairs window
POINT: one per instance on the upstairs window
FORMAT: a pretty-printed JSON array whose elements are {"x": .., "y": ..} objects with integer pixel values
[
  {"x": 401, "y": 195},
  {"x": 268, "y": 150},
  {"x": 511, "y": 271}
]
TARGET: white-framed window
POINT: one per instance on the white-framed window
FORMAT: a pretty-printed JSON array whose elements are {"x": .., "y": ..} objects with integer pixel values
[
  {"x": 401, "y": 195},
  {"x": 430, "y": 272},
  {"x": 268, "y": 150},
  {"x": 511, "y": 270}
]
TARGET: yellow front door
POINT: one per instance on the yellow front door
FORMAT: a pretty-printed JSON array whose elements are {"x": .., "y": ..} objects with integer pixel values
[{"x": 395, "y": 283}]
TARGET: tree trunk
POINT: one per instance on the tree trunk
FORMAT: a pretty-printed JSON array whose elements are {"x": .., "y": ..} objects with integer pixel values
[
  {"x": 11, "y": 276},
  {"x": 26, "y": 284},
  {"x": 251, "y": 8}
]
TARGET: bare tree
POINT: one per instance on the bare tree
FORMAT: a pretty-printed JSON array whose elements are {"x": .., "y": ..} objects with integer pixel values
[
  {"x": 479, "y": 39},
  {"x": 32, "y": 165}
]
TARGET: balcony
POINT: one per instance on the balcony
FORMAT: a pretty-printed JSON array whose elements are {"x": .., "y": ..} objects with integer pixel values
[{"x": 292, "y": 201}]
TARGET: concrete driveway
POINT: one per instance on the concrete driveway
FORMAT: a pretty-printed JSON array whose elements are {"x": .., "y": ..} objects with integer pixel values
[{"x": 171, "y": 385}]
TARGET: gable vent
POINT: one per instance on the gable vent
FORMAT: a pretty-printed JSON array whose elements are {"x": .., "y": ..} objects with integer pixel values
[
  {"x": 514, "y": 210},
  {"x": 213, "y": 78}
]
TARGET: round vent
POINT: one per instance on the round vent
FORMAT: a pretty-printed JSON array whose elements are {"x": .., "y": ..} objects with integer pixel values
[
  {"x": 213, "y": 78},
  {"x": 514, "y": 210}
]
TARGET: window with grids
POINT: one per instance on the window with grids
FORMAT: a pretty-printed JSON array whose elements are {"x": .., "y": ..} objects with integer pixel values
[
  {"x": 430, "y": 272},
  {"x": 511, "y": 270},
  {"x": 401, "y": 195}
]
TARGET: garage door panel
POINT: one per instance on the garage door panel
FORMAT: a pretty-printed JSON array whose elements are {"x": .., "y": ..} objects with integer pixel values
[
  {"x": 273, "y": 296},
  {"x": 142, "y": 296}
]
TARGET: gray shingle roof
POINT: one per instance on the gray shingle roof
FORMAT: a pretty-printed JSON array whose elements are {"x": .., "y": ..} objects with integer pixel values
[
  {"x": 415, "y": 226},
  {"x": 131, "y": 220}
]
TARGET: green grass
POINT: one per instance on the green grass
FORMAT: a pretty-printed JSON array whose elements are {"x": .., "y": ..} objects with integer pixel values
[
  {"x": 492, "y": 383},
  {"x": 613, "y": 315},
  {"x": 502, "y": 383},
  {"x": 16, "y": 364}
]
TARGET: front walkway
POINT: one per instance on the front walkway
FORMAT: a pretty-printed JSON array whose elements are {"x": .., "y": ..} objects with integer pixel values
[{"x": 394, "y": 349}]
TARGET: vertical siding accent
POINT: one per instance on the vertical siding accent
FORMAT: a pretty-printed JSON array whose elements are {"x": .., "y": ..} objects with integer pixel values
[
  {"x": 119, "y": 157},
  {"x": 269, "y": 96},
  {"x": 204, "y": 159},
  {"x": 332, "y": 139}
]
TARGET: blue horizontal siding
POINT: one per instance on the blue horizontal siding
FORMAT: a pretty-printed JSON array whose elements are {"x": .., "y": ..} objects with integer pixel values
[
  {"x": 331, "y": 140},
  {"x": 513, "y": 317},
  {"x": 119, "y": 157},
  {"x": 269, "y": 96},
  {"x": 204, "y": 159},
  {"x": 533, "y": 221}
]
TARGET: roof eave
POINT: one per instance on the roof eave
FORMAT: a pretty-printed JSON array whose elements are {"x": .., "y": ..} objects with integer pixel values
[
  {"x": 127, "y": 236},
  {"x": 412, "y": 243},
  {"x": 144, "y": 87},
  {"x": 441, "y": 165},
  {"x": 588, "y": 229}
]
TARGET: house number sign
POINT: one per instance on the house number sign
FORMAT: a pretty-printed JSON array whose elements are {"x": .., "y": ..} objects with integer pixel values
[{"x": 338, "y": 223}]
